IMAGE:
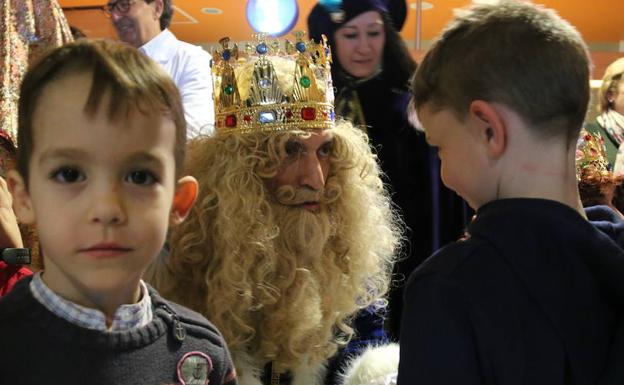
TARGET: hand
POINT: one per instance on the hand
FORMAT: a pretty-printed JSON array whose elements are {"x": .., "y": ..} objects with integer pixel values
[{"x": 10, "y": 235}]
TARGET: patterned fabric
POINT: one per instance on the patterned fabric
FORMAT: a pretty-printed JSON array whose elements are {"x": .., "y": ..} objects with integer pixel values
[
  {"x": 348, "y": 103},
  {"x": 27, "y": 28},
  {"x": 127, "y": 317},
  {"x": 613, "y": 123}
]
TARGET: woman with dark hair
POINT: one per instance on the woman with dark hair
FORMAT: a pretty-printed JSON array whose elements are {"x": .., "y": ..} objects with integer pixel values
[
  {"x": 368, "y": 55},
  {"x": 371, "y": 71}
]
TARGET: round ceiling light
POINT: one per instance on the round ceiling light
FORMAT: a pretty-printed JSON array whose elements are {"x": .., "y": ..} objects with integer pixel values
[{"x": 273, "y": 17}]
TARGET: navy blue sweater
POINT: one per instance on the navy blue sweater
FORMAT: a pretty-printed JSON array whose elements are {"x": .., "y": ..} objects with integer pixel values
[{"x": 527, "y": 299}]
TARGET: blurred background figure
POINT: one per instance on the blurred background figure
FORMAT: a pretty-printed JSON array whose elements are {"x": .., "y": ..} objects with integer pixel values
[
  {"x": 145, "y": 26},
  {"x": 610, "y": 121},
  {"x": 371, "y": 71},
  {"x": 27, "y": 29},
  {"x": 598, "y": 186}
]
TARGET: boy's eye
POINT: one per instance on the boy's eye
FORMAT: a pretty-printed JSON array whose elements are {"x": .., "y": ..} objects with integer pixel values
[
  {"x": 68, "y": 175},
  {"x": 141, "y": 177}
]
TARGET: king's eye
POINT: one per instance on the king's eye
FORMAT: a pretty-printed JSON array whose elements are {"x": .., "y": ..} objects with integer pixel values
[
  {"x": 326, "y": 149},
  {"x": 293, "y": 148}
]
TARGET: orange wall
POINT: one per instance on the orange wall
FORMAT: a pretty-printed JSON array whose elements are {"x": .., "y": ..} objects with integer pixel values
[{"x": 597, "y": 22}]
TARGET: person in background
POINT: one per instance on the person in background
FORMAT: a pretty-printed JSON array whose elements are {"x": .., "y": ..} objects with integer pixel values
[
  {"x": 610, "y": 121},
  {"x": 371, "y": 74},
  {"x": 27, "y": 29},
  {"x": 532, "y": 295},
  {"x": 144, "y": 24},
  {"x": 10, "y": 237},
  {"x": 597, "y": 183},
  {"x": 290, "y": 247},
  {"x": 99, "y": 173}
]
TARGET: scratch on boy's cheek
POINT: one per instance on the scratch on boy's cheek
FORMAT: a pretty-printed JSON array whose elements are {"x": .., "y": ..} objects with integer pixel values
[{"x": 529, "y": 167}]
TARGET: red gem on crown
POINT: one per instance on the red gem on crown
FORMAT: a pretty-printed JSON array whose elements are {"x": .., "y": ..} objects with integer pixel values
[
  {"x": 308, "y": 113},
  {"x": 230, "y": 121}
]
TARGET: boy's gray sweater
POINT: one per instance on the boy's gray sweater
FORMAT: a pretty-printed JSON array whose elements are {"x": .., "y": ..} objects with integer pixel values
[{"x": 37, "y": 347}]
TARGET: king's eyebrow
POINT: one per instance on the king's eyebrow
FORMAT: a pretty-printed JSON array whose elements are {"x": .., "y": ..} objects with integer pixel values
[
  {"x": 328, "y": 141},
  {"x": 295, "y": 145}
]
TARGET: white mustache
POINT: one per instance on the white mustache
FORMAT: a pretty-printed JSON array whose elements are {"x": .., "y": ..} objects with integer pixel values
[{"x": 288, "y": 195}]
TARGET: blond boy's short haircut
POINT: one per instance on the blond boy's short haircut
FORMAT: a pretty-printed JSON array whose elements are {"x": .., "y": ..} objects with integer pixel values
[
  {"x": 514, "y": 53},
  {"x": 134, "y": 81}
]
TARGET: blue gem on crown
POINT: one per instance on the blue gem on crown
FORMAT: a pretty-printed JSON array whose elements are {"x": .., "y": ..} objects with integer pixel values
[{"x": 262, "y": 48}]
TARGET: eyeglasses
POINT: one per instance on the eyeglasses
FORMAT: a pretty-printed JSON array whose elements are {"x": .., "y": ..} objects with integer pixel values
[{"x": 119, "y": 6}]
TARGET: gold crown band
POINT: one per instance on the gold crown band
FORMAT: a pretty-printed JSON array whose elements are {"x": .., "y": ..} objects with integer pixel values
[
  {"x": 300, "y": 97},
  {"x": 294, "y": 116}
]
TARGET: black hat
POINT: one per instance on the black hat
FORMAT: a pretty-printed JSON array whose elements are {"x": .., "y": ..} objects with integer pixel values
[
  {"x": 398, "y": 12},
  {"x": 328, "y": 15}
]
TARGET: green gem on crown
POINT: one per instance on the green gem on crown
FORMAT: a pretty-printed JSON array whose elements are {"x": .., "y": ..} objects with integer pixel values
[
  {"x": 228, "y": 89},
  {"x": 305, "y": 81}
]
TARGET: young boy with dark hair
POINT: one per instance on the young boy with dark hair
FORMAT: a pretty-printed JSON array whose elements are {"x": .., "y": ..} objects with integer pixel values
[
  {"x": 101, "y": 148},
  {"x": 503, "y": 94}
]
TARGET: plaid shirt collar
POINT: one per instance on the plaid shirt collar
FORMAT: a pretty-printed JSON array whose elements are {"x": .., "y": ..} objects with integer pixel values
[{"x": 127, "y": 317}]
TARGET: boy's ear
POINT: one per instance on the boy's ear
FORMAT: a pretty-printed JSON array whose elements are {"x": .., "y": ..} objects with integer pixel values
[
  {"x": 491, "y": 125},
  {"x": 186, "y": 192},
  {"x": 22, "y": 205}
]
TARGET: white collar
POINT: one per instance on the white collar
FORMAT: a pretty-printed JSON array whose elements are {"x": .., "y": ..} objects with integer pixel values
[
  {"x": 127, "y": 317},
  {"x": 162, "y": 47}
]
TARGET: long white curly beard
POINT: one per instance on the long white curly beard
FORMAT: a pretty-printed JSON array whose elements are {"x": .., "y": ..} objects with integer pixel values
[{"x": 298, "y": 319}]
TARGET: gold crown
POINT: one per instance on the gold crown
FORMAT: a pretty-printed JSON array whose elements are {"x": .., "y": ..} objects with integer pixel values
[
  {"x": 591, "y": 155},
  {"x": 272, "y": 86}
]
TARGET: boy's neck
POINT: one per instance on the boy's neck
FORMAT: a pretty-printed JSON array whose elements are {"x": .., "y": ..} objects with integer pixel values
[
  {"x": 106, "y": 301},
  {"x": 546, "y": 171}
]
